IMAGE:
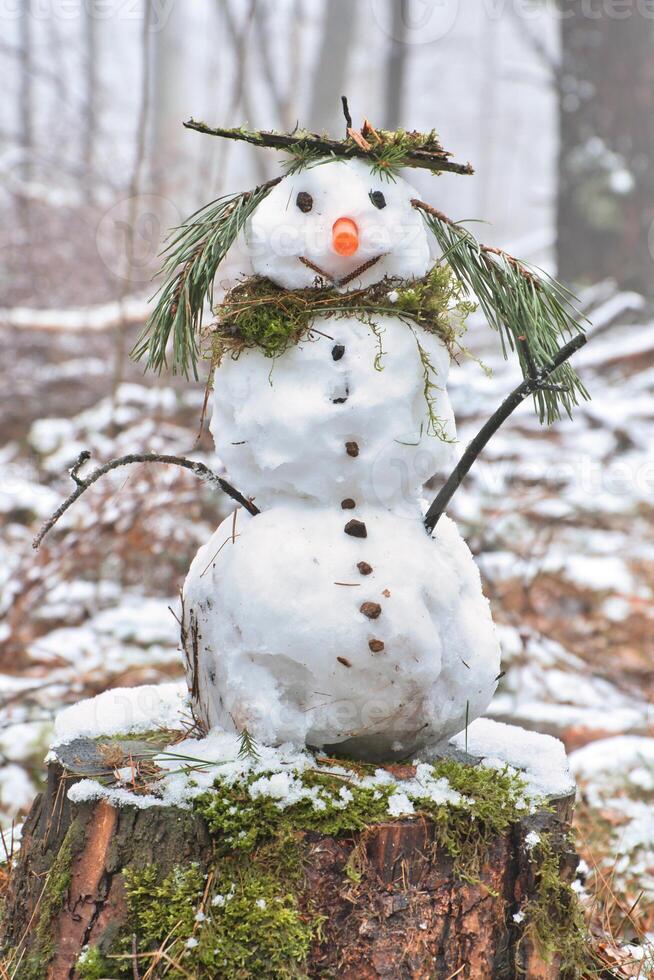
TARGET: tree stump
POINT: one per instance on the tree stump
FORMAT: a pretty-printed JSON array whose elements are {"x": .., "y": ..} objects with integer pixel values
[{"x": 404, "y": 914}]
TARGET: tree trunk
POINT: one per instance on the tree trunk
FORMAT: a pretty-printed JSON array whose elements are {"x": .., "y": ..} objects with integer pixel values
[
  {"x": 407, "y": 916},
  {"x": 25, "y": 118},
  {"x": 395, "y": 74},
  {"x": 90, "y": 114},
  {"x": 605, "y": 207},
  {"x": 330, "y": 78}
]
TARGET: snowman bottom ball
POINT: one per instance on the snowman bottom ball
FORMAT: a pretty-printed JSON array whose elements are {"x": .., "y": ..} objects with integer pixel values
[{"x": 369, "y": 646}]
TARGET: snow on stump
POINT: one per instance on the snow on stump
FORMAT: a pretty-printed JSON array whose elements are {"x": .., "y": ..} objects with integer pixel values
[{"x": 152, "y": 853}]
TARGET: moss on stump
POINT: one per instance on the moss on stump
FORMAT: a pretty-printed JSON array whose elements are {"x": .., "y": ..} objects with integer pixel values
[{"x": 238, "y": 888}]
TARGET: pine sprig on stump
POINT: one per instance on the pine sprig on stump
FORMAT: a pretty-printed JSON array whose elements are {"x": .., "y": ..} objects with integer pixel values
[
  {"x": 247, "y": 748},
  {"x": 192, "y": 257},
  {"x": 532, "y": 313}
]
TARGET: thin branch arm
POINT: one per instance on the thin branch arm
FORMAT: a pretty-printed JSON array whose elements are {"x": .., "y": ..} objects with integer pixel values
[
  {"x": 81, "y": 485},
  {"x": 508, "y": 406}
]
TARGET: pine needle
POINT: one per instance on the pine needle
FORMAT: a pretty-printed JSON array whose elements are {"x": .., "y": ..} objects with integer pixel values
[
  {"x": 247, "y": 746},
  {"x": 192, "y": 257},
  {"x": 533, "y": 313}
]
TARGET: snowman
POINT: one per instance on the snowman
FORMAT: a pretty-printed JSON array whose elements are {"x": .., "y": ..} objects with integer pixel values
[
  {"x": 324, "y": 614},
  {"x": 332, "y": 618}
]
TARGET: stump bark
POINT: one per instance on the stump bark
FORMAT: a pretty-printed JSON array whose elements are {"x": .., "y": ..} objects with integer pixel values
[{"x": 408, "y": 917}]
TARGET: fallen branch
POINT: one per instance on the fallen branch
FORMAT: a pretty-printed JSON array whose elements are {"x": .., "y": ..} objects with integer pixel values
[
  {"x": 509, "y": 405},
  {"x": 200, "y": 470}
]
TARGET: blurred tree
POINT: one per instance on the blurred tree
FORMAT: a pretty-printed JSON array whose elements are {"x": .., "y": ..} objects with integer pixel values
[
  {"x": 330, "y": 76},
  {"x": 89, "y": 126},
  {"x": 605, "y": 210},
  {"x": 25, "y": 118},
  {"x": 169, "y": 70},
  {"x": 283, "y": 91},
  {"x": 240, "y": 101},
  {"x": 396, "y": 67}
]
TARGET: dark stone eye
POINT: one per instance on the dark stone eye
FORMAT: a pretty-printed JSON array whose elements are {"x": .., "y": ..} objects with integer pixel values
[
  {"x": 304, "y": 201},
  {"x": 378, "y": 199}
]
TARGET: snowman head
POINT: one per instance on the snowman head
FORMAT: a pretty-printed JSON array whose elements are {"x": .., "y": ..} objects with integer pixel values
[{"x": 340, "y": 224}]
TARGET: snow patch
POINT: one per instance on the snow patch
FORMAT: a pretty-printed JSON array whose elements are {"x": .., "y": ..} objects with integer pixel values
[
  {"x": 540, "y": 759},
  {"x": 123, "y": 710}
]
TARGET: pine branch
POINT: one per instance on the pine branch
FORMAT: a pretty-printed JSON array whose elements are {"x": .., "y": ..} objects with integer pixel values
[
  {"x": 532, "y": 313},
  {"x": 191, "y": 260},
  {"x": 81, "y": 485},
  {"x": 247, "y": 748},
  {"x": 531, "y": 385}
]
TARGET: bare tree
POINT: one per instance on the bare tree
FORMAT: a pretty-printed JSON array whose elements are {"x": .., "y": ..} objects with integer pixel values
[
  {"x": 396, "y": 66},
  {"x": 238, "y": 31},
  {"x": 26, "y": 122},
  {"x": 135, "y": 188},
  {"x": 331, "y": 73},
  {"x": 89, "y": 127},
  {"x": 283, "y": 94},
  {"x": 605, "y": 209},
  {"x": 170, "y": 63}
]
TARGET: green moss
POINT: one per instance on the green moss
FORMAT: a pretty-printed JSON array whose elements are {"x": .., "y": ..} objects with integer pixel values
[
  {"x": 554, "y": 919},
  {"x": 493, "y": 799},
  {"x": 92, "y": 965},
  {"x": 251, "y": 923},
  {"x": 258, "y": 931},
  {"x": 241, "y": 823},
  {"x": 258, "y": 315},
  {"x": 159, "y": 907}
]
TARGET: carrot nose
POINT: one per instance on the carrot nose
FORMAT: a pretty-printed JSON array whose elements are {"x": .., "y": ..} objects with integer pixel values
[{"x": 345, "y": 236}]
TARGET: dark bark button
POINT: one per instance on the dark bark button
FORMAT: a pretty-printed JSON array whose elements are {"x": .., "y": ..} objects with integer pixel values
[
  {"x": 376, "y": 646},
  {"x": 344, "y": 661},
  {"x": 304, "y": 201},
  {"x": 356, "y": 528},
  {"x": 352, "y": 448},
  {"x": 348, "y": 504},
  {"x": 364, "y": 567},
  {"x": 371, "y": 609},
  {"x": 337, "y": 351}
]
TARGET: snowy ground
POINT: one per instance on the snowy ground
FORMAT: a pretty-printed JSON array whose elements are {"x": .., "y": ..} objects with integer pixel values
[{"x": 562, "y": 524}]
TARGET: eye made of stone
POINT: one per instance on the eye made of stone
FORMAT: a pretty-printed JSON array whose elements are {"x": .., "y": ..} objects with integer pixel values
[
  {"x": 304, "y": 201},
  {"x": 378, "y": 199}
]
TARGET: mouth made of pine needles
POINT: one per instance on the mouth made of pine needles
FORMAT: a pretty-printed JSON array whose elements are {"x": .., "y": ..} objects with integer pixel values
[{"x": 346, "y": 279}]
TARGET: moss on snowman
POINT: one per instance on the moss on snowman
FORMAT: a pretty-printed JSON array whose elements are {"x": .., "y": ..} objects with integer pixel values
[{"x": 330, "y": 615}]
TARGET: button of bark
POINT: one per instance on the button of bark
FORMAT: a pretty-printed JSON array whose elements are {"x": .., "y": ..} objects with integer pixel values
[
  {"x": 356, "y": 528},
  {"x": 364, "y": 567},
  {"x": 352, "y": 448},
  {"x": 304, "y": 201},
  {"x": 344, "y": 661},
  {"x": 337, "y": 351},
  {"x": 371, "y": 609},
  {"x": 348, "y": 504},
  {"x": 376, "y": 646}
]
